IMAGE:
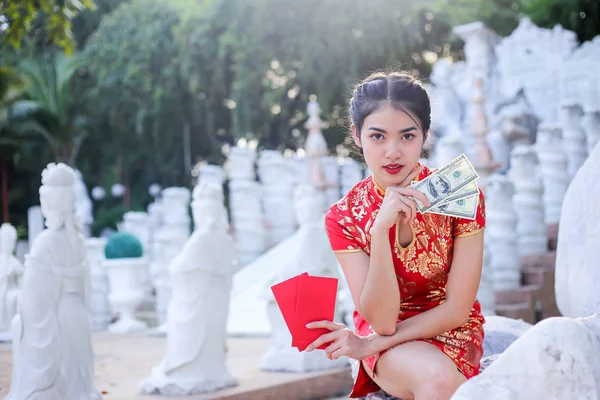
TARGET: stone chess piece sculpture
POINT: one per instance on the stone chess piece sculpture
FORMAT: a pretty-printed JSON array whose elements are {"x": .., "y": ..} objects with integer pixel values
[
  {"x": 197, "y": 316},
  {"x": 52, "y": 352},
  {"x": 11, "y": 271},
  {"x": 83, "y": 206},
  {"x": 311, "y": 253}
]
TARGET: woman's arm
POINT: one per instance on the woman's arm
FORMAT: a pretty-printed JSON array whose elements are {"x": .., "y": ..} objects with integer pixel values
[
  {"x": 379, "y": 301},
  {"x": 373, "y": 284},
  {"x": 461, "y": 289}
]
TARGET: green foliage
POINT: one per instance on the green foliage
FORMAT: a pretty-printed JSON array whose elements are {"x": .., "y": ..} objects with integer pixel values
[
  {"x": 45, "y": 110},
  {"x": 502, "y": 16},
  {"x": 123, "y": 245},
  {"x": 580, "y": 16},
  {"x": 21, "y": 16}
]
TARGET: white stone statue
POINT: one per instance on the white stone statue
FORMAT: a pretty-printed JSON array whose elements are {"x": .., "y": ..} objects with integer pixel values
[
  {"x": 212, "y": 173},
  {"x": 446, "y": 107},
  {"x": 35, "y": 223},
  {"x": 11, "y": 271},
  {"x": 528, "y": 201},
  {"x": 84, "y": 207},
  {"x": 447, "y": 148},
  {"x": 248, "y": 219},
  {"x": 168, "y": 242},
  {"x": 315, "y": 146},
  {"x": 241, "y": 163},
  {"x": 52, "y": 352},
  {"x": 99, "y": 304},
  {"x": 501, "y": 235},
  {"x": 578, "y": 250},
  {"x": 176, "y": 218},
  {"x": 481, "y": 154},
  {"x": 515, "y": 125},
  {"x": 201, "y": 277},
  {"x": 311, "y": 254},
  {"x": 531, "y": 59},
  {"x": 480, "y": 66},
  {"x": 553, "y": 167},
  {"x": 591, "y": 125},
  {"x": 275, "y": 174},
  {"x": 331, "y": 173},
  {"x": 555, "y": 359},
  {"x": 138, "y": 224},
  {"x": 351, "y": 173},
  {"x": 573, "y": 137}
]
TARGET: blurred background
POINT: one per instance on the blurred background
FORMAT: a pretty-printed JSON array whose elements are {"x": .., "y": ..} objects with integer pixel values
[{"x": 140, "y": 92}]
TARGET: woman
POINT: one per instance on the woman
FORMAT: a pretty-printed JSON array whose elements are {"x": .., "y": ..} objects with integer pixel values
[{"x": 413, "y": 277}]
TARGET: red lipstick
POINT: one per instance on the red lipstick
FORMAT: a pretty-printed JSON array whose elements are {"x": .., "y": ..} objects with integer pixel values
[{"x": 393, "y": 169}]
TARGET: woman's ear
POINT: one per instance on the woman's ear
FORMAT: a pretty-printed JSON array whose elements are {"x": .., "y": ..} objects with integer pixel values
[{"x": 355, "y": 135}]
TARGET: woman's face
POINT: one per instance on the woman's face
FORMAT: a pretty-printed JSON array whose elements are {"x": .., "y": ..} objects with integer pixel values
[{"x": 391, "y": 141}]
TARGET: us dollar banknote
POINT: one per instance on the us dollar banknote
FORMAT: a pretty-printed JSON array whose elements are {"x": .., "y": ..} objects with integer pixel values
[
  {"x": 446, "y": 182},
  {"x": 462, "y": 208}
]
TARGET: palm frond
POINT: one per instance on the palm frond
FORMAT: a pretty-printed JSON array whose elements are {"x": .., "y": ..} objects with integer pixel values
[
  {"x": 37, "y": 86},
  {"x": 32, "y": 126}
]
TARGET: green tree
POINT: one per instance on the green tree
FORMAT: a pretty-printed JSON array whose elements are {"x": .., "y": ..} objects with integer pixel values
[
  {"x": 580, "y": 16},
  {"x": 18, "y": 18},
  {"x": 45, "y": 111}
]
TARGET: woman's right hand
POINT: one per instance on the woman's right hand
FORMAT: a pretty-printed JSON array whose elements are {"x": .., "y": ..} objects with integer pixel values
[{"x": 397, "y": 205}]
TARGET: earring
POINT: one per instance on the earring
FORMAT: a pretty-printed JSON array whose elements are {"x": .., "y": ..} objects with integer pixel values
[{"x": 360, "y": 150}]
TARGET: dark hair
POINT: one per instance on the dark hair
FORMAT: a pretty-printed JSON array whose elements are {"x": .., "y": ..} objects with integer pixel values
[{"x": 398, "y": 89}]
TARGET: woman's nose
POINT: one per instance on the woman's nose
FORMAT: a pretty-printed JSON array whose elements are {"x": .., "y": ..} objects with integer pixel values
[{"x": 393, "y": 151}]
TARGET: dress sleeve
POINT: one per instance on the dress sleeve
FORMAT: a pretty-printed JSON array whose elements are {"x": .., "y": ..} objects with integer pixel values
[
  {"x": 339, "y": 229},
  {"x": 466, "y": 227}
]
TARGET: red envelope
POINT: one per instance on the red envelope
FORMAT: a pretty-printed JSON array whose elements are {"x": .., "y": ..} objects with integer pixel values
[
  {"x": 316, "y": 302},
  {"x": 286, "y": 296}
]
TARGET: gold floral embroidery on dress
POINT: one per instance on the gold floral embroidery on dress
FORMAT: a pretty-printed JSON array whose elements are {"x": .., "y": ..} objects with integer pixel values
[
  {"x": 467, "y": 228},
  {"x": 430, "y": 266},
  {"x": 351, "y": 231}
]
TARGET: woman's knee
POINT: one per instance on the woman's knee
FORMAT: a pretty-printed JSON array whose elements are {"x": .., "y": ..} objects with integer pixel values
[{"x": 438, "y": 381}]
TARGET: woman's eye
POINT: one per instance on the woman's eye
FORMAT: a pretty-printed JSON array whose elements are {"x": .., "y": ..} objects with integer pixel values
[
  {"x": 377, "y": 136},
  {"x": 408, "y": 136}
]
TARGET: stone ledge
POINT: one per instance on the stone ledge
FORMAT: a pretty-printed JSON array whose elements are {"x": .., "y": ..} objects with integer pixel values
[
  {"x": 122, "y": 361},
  {"x": 316, "y": 386}
]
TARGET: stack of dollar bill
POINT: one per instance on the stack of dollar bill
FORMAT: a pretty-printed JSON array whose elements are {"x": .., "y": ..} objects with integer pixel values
[{"x": 451, "y": 190}]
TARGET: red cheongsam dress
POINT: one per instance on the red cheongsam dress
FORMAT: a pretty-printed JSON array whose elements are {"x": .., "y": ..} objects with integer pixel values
[{"x": 421, "y": 268}]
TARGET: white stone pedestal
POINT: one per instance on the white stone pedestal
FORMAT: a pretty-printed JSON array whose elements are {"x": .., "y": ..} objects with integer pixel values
[{"x": 126, "y": 280}]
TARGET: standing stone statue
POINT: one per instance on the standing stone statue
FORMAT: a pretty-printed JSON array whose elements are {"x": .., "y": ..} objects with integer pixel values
[
  {"x": 197, "y": 317},
  {"x": 52, "y": 352},
  {"x": 11, "y": 270}
]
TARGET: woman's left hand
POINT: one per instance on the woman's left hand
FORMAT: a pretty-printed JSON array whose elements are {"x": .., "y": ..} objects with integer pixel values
[{"x": 342, "y": 341}]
